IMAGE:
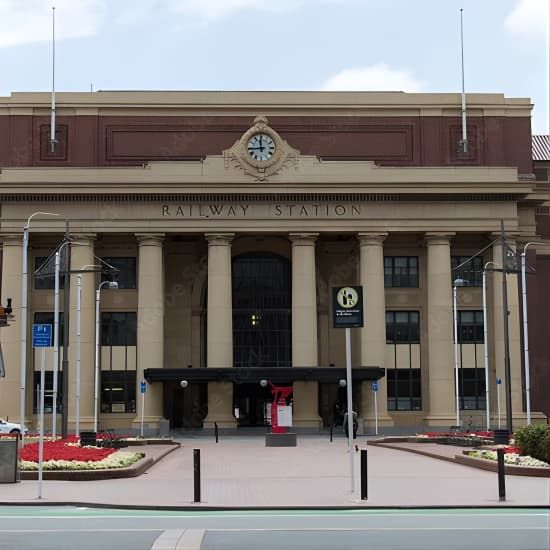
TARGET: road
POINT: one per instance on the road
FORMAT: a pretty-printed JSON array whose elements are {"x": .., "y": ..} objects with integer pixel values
[{"x": 70, "y": 528}]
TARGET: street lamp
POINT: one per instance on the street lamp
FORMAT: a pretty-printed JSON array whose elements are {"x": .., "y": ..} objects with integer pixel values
[
  {"x": 456, "y": 283},
  {"x": 24, "y": 311},
  {"x": 110, "y": 285},
  {"x": 486, "y": 348},
  {"x": 526, "y": 332}
]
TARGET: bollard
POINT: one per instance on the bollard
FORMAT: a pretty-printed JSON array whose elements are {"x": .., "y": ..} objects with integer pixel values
[
  {"x": 197, "y": 474},
  {"x": 501, "y": 480},
  {"x": 364, "y": 484},
  {"x": 216, "y": 431},
  {"x": 331, "y": 428}
]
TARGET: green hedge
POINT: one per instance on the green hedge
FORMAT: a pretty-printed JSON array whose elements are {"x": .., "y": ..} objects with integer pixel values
[{"x": 534, "y": 441}]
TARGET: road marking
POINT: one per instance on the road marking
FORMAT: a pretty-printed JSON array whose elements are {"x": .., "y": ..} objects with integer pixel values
[
  {"x": 168, "y": 539},
  {"x": 191, "y": 539}
]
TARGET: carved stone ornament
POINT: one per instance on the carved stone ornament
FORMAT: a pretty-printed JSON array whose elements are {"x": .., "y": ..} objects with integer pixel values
[{"x": 278, "y": 152}]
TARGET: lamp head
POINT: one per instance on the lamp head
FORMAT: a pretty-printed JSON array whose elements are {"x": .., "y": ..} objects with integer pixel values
[
  {"x": 461, "y": 282},
  {"x": 184, "y": 384},
  {"x": 342, "y": 383},
  {"x": 263, "y": 383},
  {"x": 113, "y": 285}
]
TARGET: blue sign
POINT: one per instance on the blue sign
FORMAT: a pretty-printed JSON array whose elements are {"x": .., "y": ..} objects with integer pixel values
[
  {"x": 143, "y": 386},
  {"x": 41, "y": 336},
  {"x": 499, "y": 381},
  {"x": 374, "y": 386}
]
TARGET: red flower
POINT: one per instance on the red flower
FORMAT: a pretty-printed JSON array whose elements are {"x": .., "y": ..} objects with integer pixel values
[{"x": 59, "y": 450}]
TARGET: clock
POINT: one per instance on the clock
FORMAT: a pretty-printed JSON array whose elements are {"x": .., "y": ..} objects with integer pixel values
[{"x": 261, "y": 147}]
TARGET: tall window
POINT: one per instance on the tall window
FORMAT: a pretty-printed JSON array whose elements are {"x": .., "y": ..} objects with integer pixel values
[
  {"x": 46, "y": 283},
  {"x": 471, "y": 388},
  {"x": 402, "y": 327},
  {"x": 470, "y": 327},
  {"x": 404, "y": 381},
  {"x": 261, "y": 311},
  {"x": 472, "y": 272},
  {"x": 118, "y": 361},
  {"x": 401, "y": 271},
  {"x": 126, "y": 276},
  {"x": 404, "y": 390}
]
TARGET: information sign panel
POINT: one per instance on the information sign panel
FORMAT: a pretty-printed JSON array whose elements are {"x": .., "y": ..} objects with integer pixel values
[
  {"x": 347, "y": 304},
  {"x": 41, "y": 335}
]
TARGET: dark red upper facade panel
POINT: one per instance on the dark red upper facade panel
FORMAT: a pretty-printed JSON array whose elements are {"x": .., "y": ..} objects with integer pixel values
[{"x": 115, "y": 140}]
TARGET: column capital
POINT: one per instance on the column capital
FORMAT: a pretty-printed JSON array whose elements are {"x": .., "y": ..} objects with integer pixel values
[
  {"x": 11, "y": 239},
  {"x": 219, "y": 239},
  {"x": 303, "y": 239},
  {"x": 149, "y": 239},
  {"x": 438, "y": 237},
  {"x": 372, "y": 238},
  {"x": 84, "y": 238},
  {"x": 508, "y": 236}
]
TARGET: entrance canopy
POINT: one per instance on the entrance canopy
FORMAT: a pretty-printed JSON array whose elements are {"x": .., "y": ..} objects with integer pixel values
[{"x": 255, "y": 374}]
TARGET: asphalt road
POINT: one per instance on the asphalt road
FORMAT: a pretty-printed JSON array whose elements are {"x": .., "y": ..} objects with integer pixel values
[{"x": 69, "y": 528}]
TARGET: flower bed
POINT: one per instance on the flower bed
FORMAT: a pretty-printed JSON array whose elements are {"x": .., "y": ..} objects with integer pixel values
[
  {"x": 67, "y": 454},
  {"x": 509, "y": 457}
]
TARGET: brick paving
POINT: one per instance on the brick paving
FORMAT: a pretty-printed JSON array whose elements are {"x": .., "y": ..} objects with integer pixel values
[{"x": 240, "y": 471}]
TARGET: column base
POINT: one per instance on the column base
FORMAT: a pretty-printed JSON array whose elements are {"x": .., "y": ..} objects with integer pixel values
[
  {"x": 367, "y": 423},
  {"x": 441, "y": 420},
  {"x": 150, "y": 423},
  {"x": 315, "y": 423},
  {"x": 222, "y": 422}
]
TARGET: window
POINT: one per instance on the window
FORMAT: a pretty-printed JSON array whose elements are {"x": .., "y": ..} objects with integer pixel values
[
  {"x": 46, "y": 283},
  {"x": 404, "y": 390},
  {"x": 471, "y": 272},
  {"x": 48, "y": 392},
  {"x": 47, "y": 318},
  {"x": 471, "y": 386},
  {"x": 402, "y": 327},
  {"x": 470, "y": 327},
  {"x": 401, "y": 271},
  {"x": 118, "y": 329},
  {"x": 118, "y": 391},
  {"x": 126, "y": 276}
]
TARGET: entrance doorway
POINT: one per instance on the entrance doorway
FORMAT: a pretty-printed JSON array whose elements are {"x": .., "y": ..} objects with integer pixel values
[{"x": 252, "y": 405}]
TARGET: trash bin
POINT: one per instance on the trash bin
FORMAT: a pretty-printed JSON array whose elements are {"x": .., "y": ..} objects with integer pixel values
[
  {"x": 88, "y": 438},
  {"x": 501, "y": 437},
  {"x": 9, "y": 460}
]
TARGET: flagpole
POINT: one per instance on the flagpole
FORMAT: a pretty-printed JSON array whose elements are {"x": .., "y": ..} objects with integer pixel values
[{"x": 52, "y": 119}]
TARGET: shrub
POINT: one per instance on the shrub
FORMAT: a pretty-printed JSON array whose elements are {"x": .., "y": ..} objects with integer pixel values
[{"x": 534, "y": 441}]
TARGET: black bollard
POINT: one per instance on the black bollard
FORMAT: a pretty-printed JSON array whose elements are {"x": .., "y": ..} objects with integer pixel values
[
  {"x": 331, "y": 428},
  {"x": 216, "y": 431},
  {"x": 197, "y": 474},
  {"x": 501, "y": 480},
  {"x": 364, "y": 484}
]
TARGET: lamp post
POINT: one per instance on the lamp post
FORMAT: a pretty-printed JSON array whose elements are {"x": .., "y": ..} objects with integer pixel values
[
  {"x": 486, "y": 349},
  {"x": 24, "y": 312},
  {"x": 526, "y": 332},
  {"x": 456, "y": 283},
  {"x": 110, "y": 285}
]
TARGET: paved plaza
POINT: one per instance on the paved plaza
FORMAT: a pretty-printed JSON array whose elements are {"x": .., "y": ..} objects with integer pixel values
[{"x": 241, "y": 472}]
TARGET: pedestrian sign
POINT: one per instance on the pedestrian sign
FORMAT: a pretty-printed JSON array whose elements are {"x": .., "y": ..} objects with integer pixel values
[
  {"x": 143, "y": 386},
  {"x": 499, "y": 381},
  {"x": 41, "y": 335},
  {"x": 374, "y": 386}
]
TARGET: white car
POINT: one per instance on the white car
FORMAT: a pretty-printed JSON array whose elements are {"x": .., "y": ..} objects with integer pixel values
[{"x": 9, "y": 427}]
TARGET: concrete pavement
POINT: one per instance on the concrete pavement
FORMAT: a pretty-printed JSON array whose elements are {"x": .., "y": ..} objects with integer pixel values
[{"x": 241, "y": 472}]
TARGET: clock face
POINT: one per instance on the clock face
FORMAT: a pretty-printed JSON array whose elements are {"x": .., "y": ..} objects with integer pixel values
[{"x": 261, "y": 147}]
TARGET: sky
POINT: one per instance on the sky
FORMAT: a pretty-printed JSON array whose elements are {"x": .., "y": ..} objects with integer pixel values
[{"x": 408, "y": 45}]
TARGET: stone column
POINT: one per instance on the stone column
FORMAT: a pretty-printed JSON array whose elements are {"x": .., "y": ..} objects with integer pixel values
[
  {"x": 12, "y": 254},
  {"x": 219, "y": 325},
  {"x": 373, "y": 333},
  {"x": 440, "y": 332},
  {"x": 514, "y": 338},
  {"x": 304, "y": 327},
  {"x": 150, "y": 323},
  {"x": 82, "y": 257}
]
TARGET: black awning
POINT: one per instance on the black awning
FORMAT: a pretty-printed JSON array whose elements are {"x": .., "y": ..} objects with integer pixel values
[{"x": 255, "y": 374}]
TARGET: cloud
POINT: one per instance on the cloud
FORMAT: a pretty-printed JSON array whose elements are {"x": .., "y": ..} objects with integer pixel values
[
  {"x": 378, "y": 77},
  {"x": 217, "y": 9},
  {"x": 27, "y": 21},
  {"x": 529, "y": 18}
]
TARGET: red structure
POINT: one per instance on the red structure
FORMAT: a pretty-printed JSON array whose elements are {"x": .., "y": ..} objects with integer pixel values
[{"x": 280, "y": 395}]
